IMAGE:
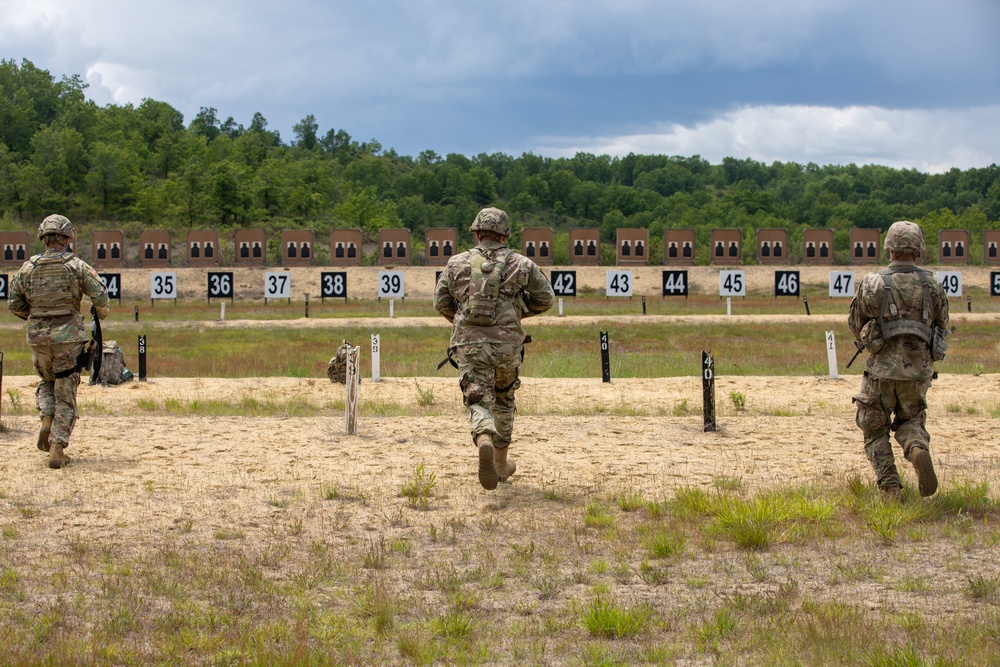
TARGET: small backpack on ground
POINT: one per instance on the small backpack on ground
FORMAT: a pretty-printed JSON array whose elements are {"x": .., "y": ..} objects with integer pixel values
[{"x": 113, "y": 370}]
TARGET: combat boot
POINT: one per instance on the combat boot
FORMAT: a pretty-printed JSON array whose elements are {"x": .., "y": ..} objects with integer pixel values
[
  {"x": 503, "y": 467},
  {"x": 926, "y": 479},
  {"x": 487, "y": 472},
  {"x": 57, "y": 459},
  {"x": 43, "y": 433}
]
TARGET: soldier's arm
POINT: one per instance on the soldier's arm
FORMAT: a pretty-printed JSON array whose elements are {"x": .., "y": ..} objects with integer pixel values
[
  {"x": 98, "y": 293},
  {"x": 444, "y": 301},
  {"x": 537, "y": 294},
  {"x": 861, "y": 311},
  {"x": 17, "y": 304}
]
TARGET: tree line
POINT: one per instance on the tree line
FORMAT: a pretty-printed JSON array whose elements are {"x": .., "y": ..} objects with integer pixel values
[{"x": 136, "y": 167}]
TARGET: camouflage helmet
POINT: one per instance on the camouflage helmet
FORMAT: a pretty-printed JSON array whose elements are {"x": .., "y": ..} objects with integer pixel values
[
  {"x": 905, "y": 235},
  {"x": 56, "y": 224},
  {"x": 491, "y": 220}
]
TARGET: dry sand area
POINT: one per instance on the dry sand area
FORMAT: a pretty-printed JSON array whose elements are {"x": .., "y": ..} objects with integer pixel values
[{"x": 135, "y": 473}]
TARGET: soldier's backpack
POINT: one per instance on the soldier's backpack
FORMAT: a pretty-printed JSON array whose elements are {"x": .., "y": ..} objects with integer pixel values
[
  {"x": 336, "y": 370},
  {"x": 113, "y": 370},
  {"x": 484, "y": 286}
]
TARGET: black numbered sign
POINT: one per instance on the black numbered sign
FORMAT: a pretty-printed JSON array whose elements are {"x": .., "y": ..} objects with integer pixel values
[
  {"x": 142, "y": 358},
  {"x": 113, "y": 282},
  {"x": 675, "y": 283},
  {"x": 605, "y": 358},
  {"x": 994, "y": 283},
  {"x": 4, "y": 284},
  {"x": 333, "y": 284},
  {"x": 786, "y": 283},
  {"x": 220, "y": 285},
  {"x": 564, "y": 283}
]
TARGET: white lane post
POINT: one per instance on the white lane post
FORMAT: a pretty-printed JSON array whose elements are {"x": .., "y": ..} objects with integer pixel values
[
  {"x": 831, "y": 354},
  {"x": 351, "y": 390},
  {"x": 376, "y": 364},
  {"x": 560, "y": 307},
  {"x": 729, "y": 305},
  {"x": 222, "y": 313},
  {"x": 391, "y": 308}
]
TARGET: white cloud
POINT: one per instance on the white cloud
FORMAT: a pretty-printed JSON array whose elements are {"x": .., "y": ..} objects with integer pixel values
[{"x": 928, "y": 140}]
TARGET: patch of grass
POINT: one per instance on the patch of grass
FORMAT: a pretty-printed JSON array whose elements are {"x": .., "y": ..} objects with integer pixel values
[
  {"x": 665, "y": 543},
  {"x": 420, "y": 488},
  {"x": 425, "y": 397},
  {"x": 682, "y": 409},
  {"x": 603, "y": 618},
  {"x": 596, "y": 515},
  {"x": 630, "y": 501},
  {"x": 739, "y": 400},
  {"x": 981, "y": 587}
]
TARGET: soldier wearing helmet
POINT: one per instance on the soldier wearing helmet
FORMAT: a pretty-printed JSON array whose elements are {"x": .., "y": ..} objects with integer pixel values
[
  {"x": 47, "y": 291},
  {"x": 900, "y": 316},
  {"x": 486, "y": 292}
]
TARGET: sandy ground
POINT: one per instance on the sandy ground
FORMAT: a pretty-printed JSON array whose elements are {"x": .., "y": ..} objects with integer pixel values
[{"x": 135, "y": 472}]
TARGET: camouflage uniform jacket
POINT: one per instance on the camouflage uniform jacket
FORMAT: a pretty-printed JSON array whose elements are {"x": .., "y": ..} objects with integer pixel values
[
  {"x": 904, "y": 357},
  {"x": 58, "y": 280},
  {"x": 524, "y": 292}
]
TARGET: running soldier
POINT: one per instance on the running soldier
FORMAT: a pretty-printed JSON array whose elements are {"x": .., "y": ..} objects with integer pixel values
[
  {"x": 900, "y": 316},
  {"x": 46, "y": 291},
  {"x": 486, "y": 292}
]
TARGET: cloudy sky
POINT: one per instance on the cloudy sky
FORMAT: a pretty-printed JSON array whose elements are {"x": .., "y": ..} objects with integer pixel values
[{"x": 905, "y": 83}]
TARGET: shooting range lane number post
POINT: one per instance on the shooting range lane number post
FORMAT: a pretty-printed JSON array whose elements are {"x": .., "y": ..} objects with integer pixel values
[
  {"x": 831, "y": 354},
  {"x": 162, "y": 285},
  {"x": 619, "y": 283},
  {"x": 333, "y": 285},
  {"x": 277, "y": 285},
  {"x": 786, "y": 283},
  {"x": 113, "y": 283},
  {"x": 951, "y": 282},
  {"x": 841, "y": 284},
  {"x": 605, "y": 358},
  {"x": 4, "y": 286},
  {"x": 391, "y": 285},
  {"x": 994, "y": 283},
  {"x": 732, "y": 283},
  {"x": 376, "y": 357},
  {"x": 142, "y": 358},
  {"x": 675, "y": 283},
  {"x": 564, "y": 283},
  {"x": 708, "y": 389},
  {"x": 220, "y": 285}
]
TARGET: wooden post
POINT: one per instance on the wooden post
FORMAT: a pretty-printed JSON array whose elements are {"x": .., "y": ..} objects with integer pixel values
[
  {"x": 708, "y": 389},
  {"x": 351, "y": 400}
]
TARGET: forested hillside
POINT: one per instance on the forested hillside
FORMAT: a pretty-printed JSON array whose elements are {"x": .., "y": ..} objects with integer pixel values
[{"x": 138, "y": 167}]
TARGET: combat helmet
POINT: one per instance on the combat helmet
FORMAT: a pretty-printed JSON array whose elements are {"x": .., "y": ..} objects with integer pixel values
[
  {"x": 56, "y": 224},
  {"x": 905, "y": 235},
  {"x": 491, "y": 220}
]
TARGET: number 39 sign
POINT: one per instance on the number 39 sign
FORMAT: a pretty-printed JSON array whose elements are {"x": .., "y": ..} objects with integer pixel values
[{"x": 391, "y": 284}]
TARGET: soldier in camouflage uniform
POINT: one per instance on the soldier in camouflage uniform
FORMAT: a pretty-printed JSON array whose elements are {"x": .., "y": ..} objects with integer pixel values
[
  {"x": 486, "y": 292},
  {"x": 900, "y": 316},
  {"x": 46, "y": 291}
]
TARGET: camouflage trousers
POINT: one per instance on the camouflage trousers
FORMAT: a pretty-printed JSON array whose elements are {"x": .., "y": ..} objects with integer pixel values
[
  {"x": 892, "y": 405},
  {"x": 56, "y": 397},
  {"x": 488, "y": 377}
]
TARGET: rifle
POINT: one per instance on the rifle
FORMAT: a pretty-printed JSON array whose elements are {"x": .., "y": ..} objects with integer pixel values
[
  {"x": 96, "y": 347},
  {"x": 861, "y": 348}
]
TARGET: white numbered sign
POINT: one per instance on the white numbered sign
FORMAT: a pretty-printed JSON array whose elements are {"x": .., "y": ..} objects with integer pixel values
[
  {"x": 732, "y": 283},
  {"x": 277, "y": 285},
  {"x": 163, "y": 285},
  {"x": 841, "y": 284},
  {"x": 391, "y": 284},
  {"x": 786, "y": 283},
  {"x": 333, "y": 284},
  {"x": 220, "y": 285},
  {"x": 951, "y": 281},
  {"x": 564, "y": 283},
  {"x": 619, "y": 283},
  {"x": 994, "y": 283},
  {"x": 4, "y": 282},
  {"x": 675, "y": 283},
  {"x": 113, "y": 283}
]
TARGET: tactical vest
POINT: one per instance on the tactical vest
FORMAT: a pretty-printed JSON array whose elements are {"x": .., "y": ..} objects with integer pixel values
[
  {"x": 53, "y": 290},
  {"x": 890, "y": 324},
  {"x": 484, "y": 286}
]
